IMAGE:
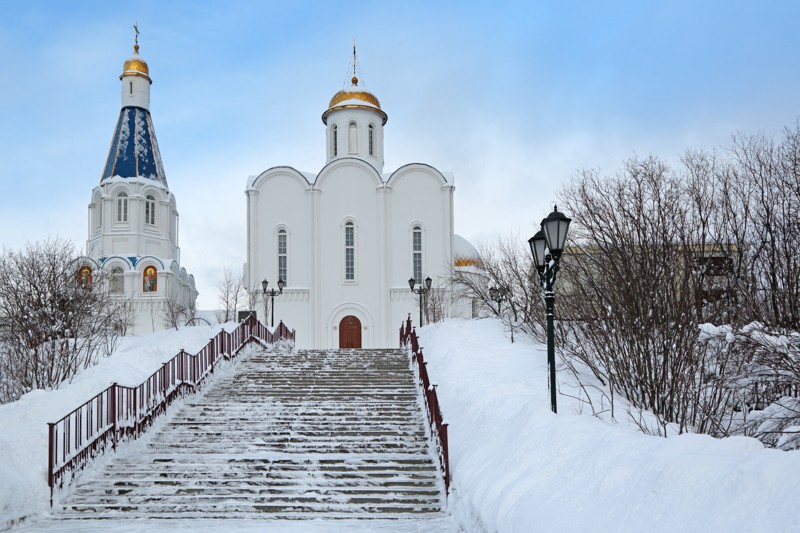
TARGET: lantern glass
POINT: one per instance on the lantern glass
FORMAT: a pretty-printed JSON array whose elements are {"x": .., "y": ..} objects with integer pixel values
[
  {"x": 411, "y": 283},
  {"x": 555, "y": 228},
  {"x": 538, "y": 245},
  {"x": 493, "y": 293},
  {"x": 281, "y": 285},
  {"x": 428, "y": 282},
  {"x": 264, "y": 285}
]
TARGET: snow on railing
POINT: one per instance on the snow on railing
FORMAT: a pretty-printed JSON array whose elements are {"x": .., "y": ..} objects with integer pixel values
[
  {"x": 408, "y": 339},
  {"x": 121, "y": 412}
]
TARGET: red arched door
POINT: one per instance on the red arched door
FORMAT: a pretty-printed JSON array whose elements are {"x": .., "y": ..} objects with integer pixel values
[{"x": 350, "y": 332}]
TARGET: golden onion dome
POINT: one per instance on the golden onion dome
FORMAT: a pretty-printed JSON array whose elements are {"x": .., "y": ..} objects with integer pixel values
[
  {"x": 135, "y": 65},
  {"x": 354, "y": 98}
]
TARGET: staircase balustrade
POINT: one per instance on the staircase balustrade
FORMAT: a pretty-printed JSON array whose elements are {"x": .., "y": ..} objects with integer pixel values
[
  {"x": 120, "y": 412},
  {"x": 409, "y": 339}
]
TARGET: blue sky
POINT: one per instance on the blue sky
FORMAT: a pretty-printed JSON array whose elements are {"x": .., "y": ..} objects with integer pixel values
[{"x": 513, "y": 97}]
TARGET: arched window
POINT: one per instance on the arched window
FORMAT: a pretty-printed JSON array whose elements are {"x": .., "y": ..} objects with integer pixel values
[
  {"x": 416, "y": 253},
  {"x": 150, "y": 210},
  {"x": 282, "y": 256},
  {"x": 150, "y": 279},
  {"x": 334, "y": 141},
  {"x": 371, "y": 139},
  {"x": 122, "y": 207},
  {"x": 349, "y": 251},
  {"x": 117, "y": 281},
  {"x": 352, "y": 138}
]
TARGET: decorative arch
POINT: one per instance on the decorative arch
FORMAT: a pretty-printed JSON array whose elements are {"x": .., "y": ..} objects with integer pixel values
[
  {"x": 351, "y": 309},
  {"x": 257, "y": 182},
  {"x": 420, "y": 167},
  {"x": 361, "y": 164}
]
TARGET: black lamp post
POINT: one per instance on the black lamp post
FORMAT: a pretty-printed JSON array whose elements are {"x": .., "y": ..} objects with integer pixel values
[
  {"x": 272, "y": 293},
  {"x": 422, "y": 290},
  {"x": 499, "y": 296},
  {"x": 546, "y": 247}
]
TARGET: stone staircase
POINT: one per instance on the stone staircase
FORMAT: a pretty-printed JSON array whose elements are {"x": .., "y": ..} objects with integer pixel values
[{"x": 307, "y": 434}]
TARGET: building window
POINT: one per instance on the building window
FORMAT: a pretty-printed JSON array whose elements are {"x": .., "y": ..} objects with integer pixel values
[
  {"x": 150, "y": 210},
  {"x": 335, "y": 141},
  {"x": 117, "y": 281},
  {"x": 150, "y": 279},
  {"x": 282, "y": 256},
  {"x": 352, "y": 138},
  {"x": 349, "y": 252},
  {"x": 416, "y": 253},
  {"x": 131, "y": 88},
  {"x": 122, "y": 207},
  {"x": 371, "y": 139}
]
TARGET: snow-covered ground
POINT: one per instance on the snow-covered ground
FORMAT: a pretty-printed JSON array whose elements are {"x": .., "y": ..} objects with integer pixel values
[{"x": 516, "y": 467}]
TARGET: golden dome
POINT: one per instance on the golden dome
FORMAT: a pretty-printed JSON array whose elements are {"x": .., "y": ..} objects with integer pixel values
[
  {"x": 135, "y": 65},
  {"x": 354, "y": 98}
]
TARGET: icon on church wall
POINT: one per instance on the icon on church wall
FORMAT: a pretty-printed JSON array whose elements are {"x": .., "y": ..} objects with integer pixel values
[
  {"x": 85, "y": 276},
  {"x": 150, "y": 279}
]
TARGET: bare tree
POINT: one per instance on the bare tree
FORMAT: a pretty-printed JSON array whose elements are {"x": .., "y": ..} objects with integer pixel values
[
  {"x": 54, "y": 322},
  {"x": 506, "y": 264},
  {"x": 231, "y": 295}
]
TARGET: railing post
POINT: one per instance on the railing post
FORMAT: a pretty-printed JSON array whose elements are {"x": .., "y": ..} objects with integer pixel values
[
  {"x": 113, "y": 408},
  {"x": 51, "y": 459},
  {"x": 445, "y": 456}
]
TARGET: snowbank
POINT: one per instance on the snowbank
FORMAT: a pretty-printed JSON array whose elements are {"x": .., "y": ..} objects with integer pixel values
[{"x": 516, "y": 467}]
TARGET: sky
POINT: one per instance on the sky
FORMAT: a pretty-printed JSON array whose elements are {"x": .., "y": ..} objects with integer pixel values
[{"x": 513, "y": 97}]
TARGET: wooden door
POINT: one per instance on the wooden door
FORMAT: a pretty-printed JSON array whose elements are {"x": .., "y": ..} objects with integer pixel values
[{"x": 350, "y": 332}]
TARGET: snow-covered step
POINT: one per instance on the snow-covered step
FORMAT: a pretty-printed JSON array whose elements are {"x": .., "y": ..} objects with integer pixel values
[{"x": 319, "y": 434}]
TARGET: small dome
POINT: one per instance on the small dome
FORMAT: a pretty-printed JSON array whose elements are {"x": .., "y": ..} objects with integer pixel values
[
  {"x": 464, "y": 254},
  {"x": 354, "y": 98},
  {"x": 135, "y": 65}
]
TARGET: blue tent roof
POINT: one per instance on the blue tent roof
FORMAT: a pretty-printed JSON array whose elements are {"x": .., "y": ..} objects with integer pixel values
[{"x": 134, "y": 149}]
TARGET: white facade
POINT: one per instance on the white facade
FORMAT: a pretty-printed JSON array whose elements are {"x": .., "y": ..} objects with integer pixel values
[
  {"x": 348, "y": 238},
  {"x": 133, "y": 217}
]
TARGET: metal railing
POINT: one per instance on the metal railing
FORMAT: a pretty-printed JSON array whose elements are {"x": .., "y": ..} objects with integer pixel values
[
  {"x": 121, "y": 412},
  {"x": 408, "y": 339}
]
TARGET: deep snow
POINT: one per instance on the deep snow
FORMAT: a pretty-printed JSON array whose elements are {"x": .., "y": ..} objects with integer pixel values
[{"x": 516, "y": 467}]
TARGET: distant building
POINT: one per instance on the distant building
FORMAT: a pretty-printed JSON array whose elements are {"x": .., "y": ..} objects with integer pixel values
[
  {"x": 346, "y": 239},
  {"x": 133, "y": 218}
]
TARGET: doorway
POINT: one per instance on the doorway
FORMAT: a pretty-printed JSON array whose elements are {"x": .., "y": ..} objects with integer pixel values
[{"x": 350, "y": 332}]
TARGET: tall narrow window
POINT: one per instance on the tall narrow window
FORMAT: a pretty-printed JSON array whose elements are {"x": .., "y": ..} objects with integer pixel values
[
  {"x": 335, "y": 141},
  {"x": 349, "y": 252},
  {"x": 150, "y": 210},
  {"x": 131, "y": 88},
  {"x": 371, "y": 139},
  {"x": 282, "y": 256},
  {"x": 352, "y": 138},
  {"x": 122, "y": 207},
  {"x": 117, "y": 281},
  {"x": 416, "y": 251}
]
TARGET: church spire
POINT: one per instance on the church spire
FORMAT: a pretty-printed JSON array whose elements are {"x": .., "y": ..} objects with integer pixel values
[
  {"x": 355, "y": 78},
  {"x": 134, "y": 151}
]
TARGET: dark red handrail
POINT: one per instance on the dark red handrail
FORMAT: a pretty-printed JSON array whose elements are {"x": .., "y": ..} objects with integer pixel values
[
  {"x": 121, "y": 412},
  {"x": 408, "y": 339}
]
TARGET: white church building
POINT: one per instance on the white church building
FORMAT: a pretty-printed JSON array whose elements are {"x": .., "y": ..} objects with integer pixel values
[
  {"x": 133, "y": 217},
  {"x": 346, "y": 240}
]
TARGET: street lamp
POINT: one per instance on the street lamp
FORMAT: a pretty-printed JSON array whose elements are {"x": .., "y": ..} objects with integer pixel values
[
  {"x": 422, "y": 290},
  {"x": 499, "y": 296},
  {"x": 272, "y": 293},
  {"x": 546, "y": 247}
]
